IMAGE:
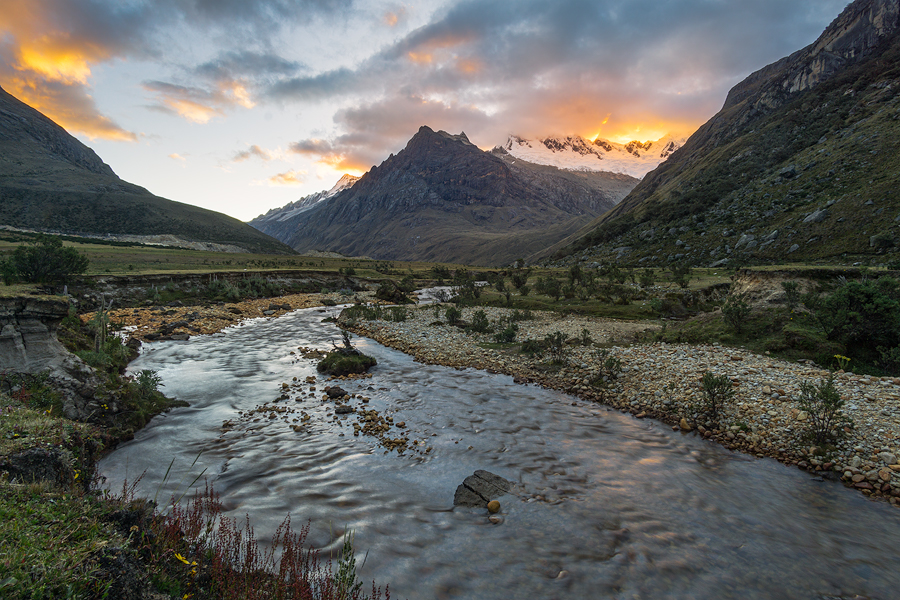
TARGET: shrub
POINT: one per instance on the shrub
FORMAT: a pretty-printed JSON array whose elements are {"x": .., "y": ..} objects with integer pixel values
[
  {"x": 390, "y": 292},
  {"x": 44, "y": 260},
  {"x": 555, "y": 343},
  {"x": 453, "y": 315},
  {"x": 586, "y": 337},
  {"x": 823, "y": 405},
  {"x": 609, "y": 368},
  {"x": 647, "y": 278},
  {"x": 717, "y": 391},
  {"x": 864, "y": 316},
  {"x": 532, "y": 348},
  {"x": 791, "y": 293},
  {"x": 524, "y": 290},
  {"x": 519, "y": 278},
  {"x": 508, "y": 335},
  {"x": 735, "y": 312},
  {"x": 681, "y": 274},
  {"x": 407, "y": 284},
  {"x": 480, "y": 323}
]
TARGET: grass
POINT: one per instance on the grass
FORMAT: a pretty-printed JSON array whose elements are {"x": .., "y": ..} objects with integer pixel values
[
  {"x": 49, "y": 540},
  {"x": 137, "y": 259}
]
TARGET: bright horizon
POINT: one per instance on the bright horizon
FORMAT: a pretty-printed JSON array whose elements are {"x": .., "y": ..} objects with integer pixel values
[{"x": 243, "y": 107}]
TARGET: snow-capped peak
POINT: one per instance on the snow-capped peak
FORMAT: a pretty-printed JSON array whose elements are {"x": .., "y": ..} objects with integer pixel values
[
  {"x": 581, "y": 154},
  {"x": 307, "y": 202}
]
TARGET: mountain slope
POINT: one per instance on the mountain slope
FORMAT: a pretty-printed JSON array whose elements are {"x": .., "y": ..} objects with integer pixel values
[
  {"x": 49, "y": 181},
  {"x": 443, "y": 199},
  {"x": 800, "y": 163},
  {"x": 277, "y": 222},
  {"x": 577, "y": 153}
]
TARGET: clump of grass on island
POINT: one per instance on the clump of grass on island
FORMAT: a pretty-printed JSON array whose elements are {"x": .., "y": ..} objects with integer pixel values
[{"x": 345, "y": 360}]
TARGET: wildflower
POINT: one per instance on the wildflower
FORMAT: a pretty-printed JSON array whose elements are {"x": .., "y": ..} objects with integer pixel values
[{"x": 185, "y": 561}]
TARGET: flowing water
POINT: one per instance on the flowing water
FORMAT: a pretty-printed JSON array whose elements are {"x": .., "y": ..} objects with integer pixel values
[{"x": 607, "y": 506}]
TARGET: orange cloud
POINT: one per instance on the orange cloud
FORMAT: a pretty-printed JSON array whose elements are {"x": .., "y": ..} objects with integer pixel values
[
  {"x": 469, "y": 66},
  {"x": 70, "y": 106},
  {"x": 49, "y": 68},
  {"x": 288, "y": 178}
]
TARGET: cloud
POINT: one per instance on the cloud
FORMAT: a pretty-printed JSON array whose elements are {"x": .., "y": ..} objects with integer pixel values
[
  {"x": 288, "y": 178},
  {"x": 375, "y": 129},
  {"x": 199, "y": 104},
  {"x": 50, "y": 48},
  {"x": 178, "y": 157},
  {"x": 250, "y": 152},
  {"x": 537, "y": 68}
]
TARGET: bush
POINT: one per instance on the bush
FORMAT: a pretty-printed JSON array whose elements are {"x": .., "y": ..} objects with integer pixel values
[
  {"x": 717, "y": 391},
  {"x": 480, "y": 323},
  {"x": 407, "y": 284},
  {"x": 864, "y": 316},
  {"x": 647, "y": 278},
  {"x": 791, "y": 293},
  {"x": 391, "y": 292},
  {"x": 453, "y": 315},
  {"x": 555, "y": 343},
  {"x": 44, "y": 260},
  {"x": 681, "y": 274},
  {"x": 823, "y": 405},
  {"x": 508, "y": 335},
  {"x": 532, "y": 348},
  {"x": 735, "y": 312}
]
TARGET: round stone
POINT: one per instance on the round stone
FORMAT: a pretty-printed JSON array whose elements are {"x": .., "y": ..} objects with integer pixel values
[{"x": 493, "y": 506}]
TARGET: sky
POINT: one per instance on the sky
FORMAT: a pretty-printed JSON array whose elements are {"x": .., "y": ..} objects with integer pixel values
[{"x": 241, "y": 106}]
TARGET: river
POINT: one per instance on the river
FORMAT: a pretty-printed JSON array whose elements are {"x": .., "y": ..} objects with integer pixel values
[{"x": 607, "y": 506}]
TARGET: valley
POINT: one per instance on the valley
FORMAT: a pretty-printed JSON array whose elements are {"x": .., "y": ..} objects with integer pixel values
[{"x": 604, "y": 358}]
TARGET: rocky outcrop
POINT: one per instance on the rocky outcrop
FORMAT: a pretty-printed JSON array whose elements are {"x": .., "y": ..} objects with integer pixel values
[
  {"x": 28, "y": 344},
  {"x": 852, "y": 36},
  {"x": 28, "y": 325}
]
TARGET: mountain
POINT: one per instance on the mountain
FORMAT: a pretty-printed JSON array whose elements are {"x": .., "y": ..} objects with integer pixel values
[
  {"x": 278, "y": 221},
  {"x": 801, "y": 163},
  {"x": 578, "y": 153},
  {"x": 443, "y": 199},
  {"x": 49, "y": 181}
]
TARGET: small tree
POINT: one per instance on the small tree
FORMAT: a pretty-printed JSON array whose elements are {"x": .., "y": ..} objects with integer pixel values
[
  {"x": 791, "y": 293},
  {"x": 556, "y": 346},
  {"x": 735, "y": 311},
  {"x": 45, "y": 260},
  {"x": 681, "y": 274},
  {"x": 717, "y": 390},
  {"x": 823, "y": 405}
]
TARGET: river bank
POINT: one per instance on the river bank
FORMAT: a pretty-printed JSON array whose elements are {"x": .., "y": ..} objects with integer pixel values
[
  {"x": 657, "y": 380},
  {"x": 662, "y": 381}
]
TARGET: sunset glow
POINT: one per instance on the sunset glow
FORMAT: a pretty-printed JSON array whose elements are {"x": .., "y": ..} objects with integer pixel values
[
  {"x": 62, "y": 65},
  {"x": 258, "y": 93}
]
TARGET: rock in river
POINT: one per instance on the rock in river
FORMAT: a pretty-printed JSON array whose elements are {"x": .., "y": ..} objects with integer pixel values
[{"x": 479, "y": 489}]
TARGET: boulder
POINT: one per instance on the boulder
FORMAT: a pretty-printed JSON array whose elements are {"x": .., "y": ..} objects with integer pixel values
[{"x": 480, "y": 488}]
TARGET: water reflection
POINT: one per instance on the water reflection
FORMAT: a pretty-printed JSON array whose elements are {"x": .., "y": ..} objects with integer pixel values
[{"x": 607, "y": 507}]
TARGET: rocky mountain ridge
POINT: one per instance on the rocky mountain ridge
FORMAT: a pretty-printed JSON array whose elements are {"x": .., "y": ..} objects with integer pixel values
[
  {"x": 799, "y": 163},
  {"x": 443, "y": 199}
]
